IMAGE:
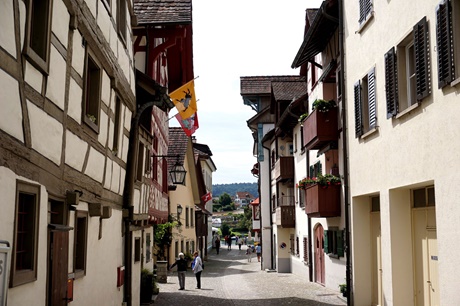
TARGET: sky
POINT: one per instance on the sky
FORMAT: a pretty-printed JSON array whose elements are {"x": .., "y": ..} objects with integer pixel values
[{"x": 232, "y": 39}]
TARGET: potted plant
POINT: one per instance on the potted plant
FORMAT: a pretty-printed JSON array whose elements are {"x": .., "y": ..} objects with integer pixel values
[
  {"x": 323, "y": 105},
  {"x": 324, "y": 181},
  {"x": 343, "y": 289},
  {"x": 302, "y": 117},
  {"x": 147, "y": 286}
]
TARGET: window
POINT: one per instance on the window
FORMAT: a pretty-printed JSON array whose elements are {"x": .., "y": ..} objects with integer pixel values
[
  {"x": 116, "y": 129},
  {"x": 365, "y": 11},
  {"x": 147, "y": 247},
  {"x": 365, "y": 104},
  {"x": 375, "y": 204},
  {"x": 406, "y": 71},
  {"x": 291, "y": 244},
  {"x": 305, "y": 250},
  {"x": 446, "y": 16},
  {"x": 176, "y": 249},
  {"x": 192, "y": 215},
  {"x": 38, "y": 33},
  {"x": 256, "y": 212},
  {"x": 187, "y": 223},
  {"x": 316, "y": 169},
  {"x": 423, "y": 197},
  {"x": 92, "y": 97},
  {"x": 333, "y": 243},
  {"x": 301, "y": 197},
  {"x": 121, "y": 20},
  {"x": 80, "y": 241},
  {"x": 24, "y": 256},
  {"x": 297, "y": 246},
  {"x": 187, "y": 247},
  {"x": 137, "y": 249}
]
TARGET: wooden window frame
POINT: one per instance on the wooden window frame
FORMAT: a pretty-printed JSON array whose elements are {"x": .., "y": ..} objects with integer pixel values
[
  {"x": 301, "y": 200},
  {"x": 122, "y": 11},
  {"x": 366, "y": 11},
  {"x": 22, "y": 276},
  {"x": 148, "y": 247},
  {"x": 43, "y": 22},
  {"x": 447, "y": 13},
  {"x": 397, "y": 61},
  {"x": 137, "y": 249},
  {"x": 80, "y": 250},
  {"x": 334, "y": 242},
  {"x": 192, "y": 215},
  {"x": 92, "y": 92},
  {"x": 426, "y": 197},
  {"x": 117, "y": 126},
  {"x": 305, "y": 250},
  {"x": 187, "y": 216}
]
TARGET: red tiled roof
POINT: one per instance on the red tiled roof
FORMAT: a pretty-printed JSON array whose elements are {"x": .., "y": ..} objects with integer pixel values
[
  {"x": 287, "y": 91},
  {"x": 163, "y": 11},
  {"x": 255, "y": 85}
]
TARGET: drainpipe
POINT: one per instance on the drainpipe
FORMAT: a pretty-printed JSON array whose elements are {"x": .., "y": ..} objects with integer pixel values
[
  {"x": 270, "y": 199},
  {"x": 345, "y": 160}
]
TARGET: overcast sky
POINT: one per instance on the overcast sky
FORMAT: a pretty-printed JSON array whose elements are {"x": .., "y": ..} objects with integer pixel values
[{"x": 233, "y": 39}]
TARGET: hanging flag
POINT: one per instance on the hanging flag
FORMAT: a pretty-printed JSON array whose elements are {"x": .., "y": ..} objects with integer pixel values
[
  {"x": 189, "y": 125},
  {"x": 207, "y": 197},
  {"x": 184, "y": 99}
]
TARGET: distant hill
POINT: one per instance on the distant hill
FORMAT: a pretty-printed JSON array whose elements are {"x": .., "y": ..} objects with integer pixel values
[{"x": 232, "y": 189}]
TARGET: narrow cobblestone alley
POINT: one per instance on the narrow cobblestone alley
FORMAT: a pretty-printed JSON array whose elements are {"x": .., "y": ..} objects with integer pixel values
[{"x": 229, "y": 279}]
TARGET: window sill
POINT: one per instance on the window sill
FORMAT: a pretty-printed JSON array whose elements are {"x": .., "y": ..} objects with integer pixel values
[
  {"x": 407, "y": 110},
  {"x": 455, "y": 82},
  {"x": 363, "y": 25},
  {"x": 369, "y": 133}
]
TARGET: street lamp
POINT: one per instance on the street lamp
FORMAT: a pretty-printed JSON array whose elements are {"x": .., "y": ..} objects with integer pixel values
[
  {"x": 177, "y": 172},
  {"x": 179, "y": 209}
]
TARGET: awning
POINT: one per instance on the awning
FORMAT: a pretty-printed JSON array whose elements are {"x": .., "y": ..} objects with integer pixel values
[
  {"x": 203, "y": 210},
  {"x": 318, "y": 36}
]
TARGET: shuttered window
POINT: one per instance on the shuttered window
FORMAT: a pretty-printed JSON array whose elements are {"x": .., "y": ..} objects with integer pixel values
[
  {"x": 305, "y": 250},
  {"x": 391, "y": 83},
  {"x": 334, "y": 242},
  {"x": 445, "y": 44},
  {"x": 365, "y": 104},
  {"x": 365, "y": 10},
  {"x": 421, "y": 59}
]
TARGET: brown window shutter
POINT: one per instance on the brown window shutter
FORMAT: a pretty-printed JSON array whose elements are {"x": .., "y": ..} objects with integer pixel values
[
  {"x": 372, "y": 99},
  {"x": 358, "y": 110},
  {"x": 305, "y": 250},
  {"x": 391, "y": 83},
  {"x": 444, "y": 41},
  {"x": 421, "y": 46}
]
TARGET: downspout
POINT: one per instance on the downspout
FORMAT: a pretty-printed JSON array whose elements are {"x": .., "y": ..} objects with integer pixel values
[
  {"x": 345, "y": 160},
  {"x": 310, "y": 235},
  {"x": 269, "y": 200}
]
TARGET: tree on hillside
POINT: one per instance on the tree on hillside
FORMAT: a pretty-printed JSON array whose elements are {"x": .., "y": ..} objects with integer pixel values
[
  {"x": 225, "y": 229},
  {"x": 225, "y": 199}
]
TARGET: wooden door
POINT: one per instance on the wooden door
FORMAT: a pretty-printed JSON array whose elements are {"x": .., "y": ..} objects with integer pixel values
[
  {"x": 377, "y": 292},
  {"x": 319, "y": 255},
  {"x": 433, "y": 281},
  {"x": 58, "y": 267}
]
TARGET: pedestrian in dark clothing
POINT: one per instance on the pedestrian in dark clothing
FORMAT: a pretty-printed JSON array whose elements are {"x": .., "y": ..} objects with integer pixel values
[
  {"x": 181, "y": 264},
  {"x": 217, "y": 244}
]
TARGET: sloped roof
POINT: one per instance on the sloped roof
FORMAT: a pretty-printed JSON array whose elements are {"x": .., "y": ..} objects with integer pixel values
[
  {"x": 177, "y": 146},
  {"x": 287, "y": 91},
  {"x": 163, "y": 11},
  {"x": 244, "y": 195},
  {"x": 257, "y": 85}
]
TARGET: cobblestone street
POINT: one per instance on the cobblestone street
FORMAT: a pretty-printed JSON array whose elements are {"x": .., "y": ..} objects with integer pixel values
[{"x": 229, "y": 279}]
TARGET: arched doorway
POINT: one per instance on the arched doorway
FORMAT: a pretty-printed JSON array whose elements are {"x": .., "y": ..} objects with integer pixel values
[{"x": 319, "y": 255}]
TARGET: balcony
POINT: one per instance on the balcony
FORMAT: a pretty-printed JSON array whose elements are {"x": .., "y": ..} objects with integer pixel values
[
  {"x": 285, "y": 212},
  {"x": 322, "y": 202},
  {"x": 284, "y": 168},
  {"x": 319, "y": 129}
]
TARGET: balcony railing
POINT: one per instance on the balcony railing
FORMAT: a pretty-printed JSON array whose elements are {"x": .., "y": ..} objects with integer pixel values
[
  {"x": 319, "y": 129},
  {"x": 322, "y": 202},
  {"x": 284, "y": 168},
  {"x": 285, "y": 212}
]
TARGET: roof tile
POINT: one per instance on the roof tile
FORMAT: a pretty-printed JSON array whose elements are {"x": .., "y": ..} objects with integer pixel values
[{"x": 163, "y": 11}]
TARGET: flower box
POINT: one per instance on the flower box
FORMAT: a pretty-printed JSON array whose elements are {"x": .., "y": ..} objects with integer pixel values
[
  {"x": 320, "y": 128},
  {"x": 322, "y": 201}
]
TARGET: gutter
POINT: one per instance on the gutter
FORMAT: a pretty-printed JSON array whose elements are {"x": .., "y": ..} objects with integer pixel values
[
  {"x": 269, "y": 199},
  {"x": 345, "y": 160}
]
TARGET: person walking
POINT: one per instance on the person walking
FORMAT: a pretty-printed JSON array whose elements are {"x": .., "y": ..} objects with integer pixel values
[
  {"x": 229, "y": 243},
  {"x": 258, "y": 251},
  {"x": 249, "y": 253},
  {"x": 217, "y": 244},
  {"x": 197, "y": 267},
  {"x": 181, "y": 264},
  {"x": 240, "y": 243}
]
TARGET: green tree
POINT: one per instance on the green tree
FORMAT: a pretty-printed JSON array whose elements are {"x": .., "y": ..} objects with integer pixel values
[
  {"x": 225, "y": 229},
  {"x": 245, "y": 220},
  {"x": 163, "y": 237},
  {"x": 225, "y": 199}
]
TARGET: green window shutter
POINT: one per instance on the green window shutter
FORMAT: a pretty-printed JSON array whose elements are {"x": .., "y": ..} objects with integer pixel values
[
  {"x": 326, "y": 246},
  {"x": 421, "y": 59},
  {"x": 312, "y": 171},
  {"x": 358, "y": 110},
  {"x": 340, "y": 245},
  {"x": 391, "y": 83}
]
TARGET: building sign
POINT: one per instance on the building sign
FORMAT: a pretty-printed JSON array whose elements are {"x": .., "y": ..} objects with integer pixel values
[
  {"x": 4, "y": 257},
  {"x": 283, "y": 245}
]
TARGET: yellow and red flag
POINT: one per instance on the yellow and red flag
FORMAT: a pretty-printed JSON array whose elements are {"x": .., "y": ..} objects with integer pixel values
[
  {"x": 185, "y": 100},
  {"x": 189, "y": 125}
]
